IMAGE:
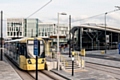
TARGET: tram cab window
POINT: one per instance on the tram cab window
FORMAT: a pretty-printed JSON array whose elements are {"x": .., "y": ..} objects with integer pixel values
[{"x": 42, "y": 53}]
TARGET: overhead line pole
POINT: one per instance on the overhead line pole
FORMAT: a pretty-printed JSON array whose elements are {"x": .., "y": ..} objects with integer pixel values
[
  {"x": 105, "y": 34},
  {"x": 1, "y": 35},
  {"x": 69, "y": 36}
]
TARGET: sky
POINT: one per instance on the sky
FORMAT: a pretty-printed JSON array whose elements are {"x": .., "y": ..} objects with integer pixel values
[{"x": 81, "y": 11}]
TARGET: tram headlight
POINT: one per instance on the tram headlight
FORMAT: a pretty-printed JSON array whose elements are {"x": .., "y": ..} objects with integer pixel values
[
  {"x": 42, "y": 61},
  {"x": 29, "y": 61}
]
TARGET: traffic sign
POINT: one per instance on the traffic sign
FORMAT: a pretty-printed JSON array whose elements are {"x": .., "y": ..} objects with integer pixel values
[
  {"x": 119, "y": 48},
  {"x": 36, "y": 47}
]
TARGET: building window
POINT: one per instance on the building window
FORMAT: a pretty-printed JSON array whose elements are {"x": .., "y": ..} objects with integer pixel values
[
  {"x": 20, "y": 33},
  {"x": 11, "y": 33},
  {"x": 14, "y": 33},
  {"x": 16, "y": 28},
  {"x": 42, "y": 34},
  {"x": 45, "y": 34},
  {"x": 7, "y": 28},
  {"x": 10, "y": 28},
  {"x": 8, "y": 34}
]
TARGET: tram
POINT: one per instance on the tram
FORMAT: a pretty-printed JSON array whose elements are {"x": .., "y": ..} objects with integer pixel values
[{"x": 20, "y": 52}]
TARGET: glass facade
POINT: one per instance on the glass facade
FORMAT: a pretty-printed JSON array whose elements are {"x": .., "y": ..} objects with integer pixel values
[{"x": 31, "y": 27}]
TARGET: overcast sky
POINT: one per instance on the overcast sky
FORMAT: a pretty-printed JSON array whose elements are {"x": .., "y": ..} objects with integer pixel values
[{"x": 78, "y": 9}]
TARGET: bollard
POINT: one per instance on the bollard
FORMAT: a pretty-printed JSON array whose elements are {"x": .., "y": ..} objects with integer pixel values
[
  {"x": 83, "y": 52},
  {"x": 53, "y": 55},
  {"x": 102, "y": 52},
  {"x": 83, "y": 58}
]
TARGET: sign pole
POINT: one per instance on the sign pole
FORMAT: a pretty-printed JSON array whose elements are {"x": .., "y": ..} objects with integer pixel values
[
  {"x": 73, "y": 63},
  {"x": 36, "y": 67},
  {"x": 36, "y": 52}
]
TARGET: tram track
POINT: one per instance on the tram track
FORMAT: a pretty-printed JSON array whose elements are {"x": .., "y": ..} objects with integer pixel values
[
  {"x": 41, "y": 76},
  {"x": 31, "y": 75},
  {"x": 23, "y": 74},
  {"x": 115, "y": 72},
  {"x": 46, "y": 75},
  {"x": 106, "y": 57}
]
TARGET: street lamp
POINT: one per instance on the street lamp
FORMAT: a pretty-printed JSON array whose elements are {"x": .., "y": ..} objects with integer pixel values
[
  {"x": 105, "y": 25},
  {"x": 58, "y": 51},
  {"x": 69, "y": 36},
  {"x": 105, "y": 33}
]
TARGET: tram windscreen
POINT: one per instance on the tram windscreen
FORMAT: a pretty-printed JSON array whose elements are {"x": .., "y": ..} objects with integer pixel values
[
  {"x": 30, "y": 46},
  {"x": 30, "y": 50}
]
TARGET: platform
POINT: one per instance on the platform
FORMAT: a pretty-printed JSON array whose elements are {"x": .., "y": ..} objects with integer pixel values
[
  {"x": 7, "y": 72},
  {"x": 111, "y": 54},
  {"x": 88, "y": 74}
]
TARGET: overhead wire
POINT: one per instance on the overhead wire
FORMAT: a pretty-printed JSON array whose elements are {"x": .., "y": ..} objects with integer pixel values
[
  {"x": 39, "y": 9},
  {"x": 96, "y": 15}
]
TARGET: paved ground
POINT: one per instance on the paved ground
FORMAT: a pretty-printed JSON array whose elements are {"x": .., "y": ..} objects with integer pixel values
[
  {"x": 114, "y": 54},
  {"x": 7, "y": 72},
  {"x": 93, "y": 75}
]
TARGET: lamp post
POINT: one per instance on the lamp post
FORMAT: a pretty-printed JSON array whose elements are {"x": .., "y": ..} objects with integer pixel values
[
  {"x": 105, "y": 34},
  {"x": 69, "y": 36},
  {"x": 1, "y": 51},
  {"x": 58, "y": 51}
]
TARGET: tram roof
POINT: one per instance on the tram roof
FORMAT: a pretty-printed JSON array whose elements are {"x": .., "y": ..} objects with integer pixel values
[
  {"x": 16, "y": 40},
  {"x": 22, "y": 39},
  {"x": 117, "y": 30}
]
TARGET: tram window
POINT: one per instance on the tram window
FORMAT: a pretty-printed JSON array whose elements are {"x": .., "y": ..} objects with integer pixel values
[
  {"x": 42, "y": 54},
  {"x": 21, "y": 49},
  {"x": 17, "y": 45}
]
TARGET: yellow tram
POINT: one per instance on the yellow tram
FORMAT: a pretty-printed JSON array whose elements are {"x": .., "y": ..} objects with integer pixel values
[{"x": 20, "y": 51}]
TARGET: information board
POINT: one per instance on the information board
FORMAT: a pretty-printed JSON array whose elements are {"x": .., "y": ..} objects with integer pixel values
[
  {"x": 119, "y": 48},
  {"x": 36, "y": 48}
]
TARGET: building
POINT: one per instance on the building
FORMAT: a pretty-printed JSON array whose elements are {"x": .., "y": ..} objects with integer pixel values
[
  {"x": 45, "y": 30},
  {"x": 20, "y": 27},
  {"x": 15, "y": 27},
  {"x": 32, "y": 27},
  {"x": 95, "y": 37},
  {"x": 49, "y": 30}
]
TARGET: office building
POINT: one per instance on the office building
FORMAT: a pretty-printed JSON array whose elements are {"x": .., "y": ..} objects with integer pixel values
[{"x": 32, "y": 27}]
